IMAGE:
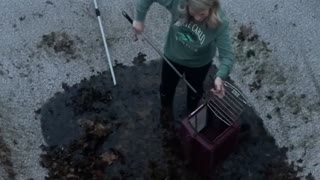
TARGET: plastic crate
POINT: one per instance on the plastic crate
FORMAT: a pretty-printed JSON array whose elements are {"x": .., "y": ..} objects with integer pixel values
[
  {"x": 206, "y": 140},
  {"x": 211, "y": 133}
]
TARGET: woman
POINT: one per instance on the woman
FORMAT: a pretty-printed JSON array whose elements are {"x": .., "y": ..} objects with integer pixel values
[{"x": 197, "y": 30}]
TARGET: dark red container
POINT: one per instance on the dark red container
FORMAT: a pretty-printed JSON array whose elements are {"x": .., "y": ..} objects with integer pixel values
[{"x": 206, "y": 140}]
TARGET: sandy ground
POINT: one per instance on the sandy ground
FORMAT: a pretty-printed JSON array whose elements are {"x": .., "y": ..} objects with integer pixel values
[{"x": 46, "y": 43}]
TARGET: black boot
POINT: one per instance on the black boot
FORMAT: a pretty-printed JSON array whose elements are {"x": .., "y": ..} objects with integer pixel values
[
  {"x": 167, "y": 117},
  {"x": 166, "y": 111}
]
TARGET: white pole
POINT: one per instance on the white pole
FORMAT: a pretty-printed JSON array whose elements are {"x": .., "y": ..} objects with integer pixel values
[{"x": 104, "y": 41}]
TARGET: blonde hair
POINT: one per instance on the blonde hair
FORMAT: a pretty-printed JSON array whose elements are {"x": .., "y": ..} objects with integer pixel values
[{"x": 212, "y": 21}]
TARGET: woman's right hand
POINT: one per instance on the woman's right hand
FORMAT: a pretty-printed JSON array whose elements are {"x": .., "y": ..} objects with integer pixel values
[{"x": 138, "y": 27}]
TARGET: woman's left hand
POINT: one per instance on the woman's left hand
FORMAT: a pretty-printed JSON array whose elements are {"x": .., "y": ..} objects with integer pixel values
[{"x": 218, "y": 87}]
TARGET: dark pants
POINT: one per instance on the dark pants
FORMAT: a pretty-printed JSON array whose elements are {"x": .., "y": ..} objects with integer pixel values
[{"x": 170, "y": 80}]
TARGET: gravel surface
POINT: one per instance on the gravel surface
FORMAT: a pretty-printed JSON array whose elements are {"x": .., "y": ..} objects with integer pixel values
[{"x": 47, "y": 43}]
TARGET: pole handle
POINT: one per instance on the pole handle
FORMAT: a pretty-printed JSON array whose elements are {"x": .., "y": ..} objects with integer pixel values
[
  {"x": 127, "y": 17},
  {"x": 160, "y": 53}
]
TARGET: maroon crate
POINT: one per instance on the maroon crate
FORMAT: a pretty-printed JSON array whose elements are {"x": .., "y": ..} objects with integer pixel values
[
  {"x": 207, "y": 140},
  {"x": 210, "y": 133}
]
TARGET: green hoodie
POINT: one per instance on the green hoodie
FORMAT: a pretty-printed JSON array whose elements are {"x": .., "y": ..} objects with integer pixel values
[{"x": 192, "y": 44}]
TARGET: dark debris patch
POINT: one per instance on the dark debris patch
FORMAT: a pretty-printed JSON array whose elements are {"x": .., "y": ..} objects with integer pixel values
[
  {"x": 82, "y": 159},
  {"x": 49, "y": 2},
  {"x": 256, "y": 85},
  {"x": 59, "y": 42},
  {"x": 90, "y": 99},
  {"x": 141, "y": 58},
  {"x": 22, "y": 18},
  {"x": 310, "y": 177},
  {"x": 246, "y": 33},
  {"x": 95, "y": 130},
  {"x": 5, "y": 159},
  {"x": 251, "y": 53},
  {"x": 280, "y": 170}
]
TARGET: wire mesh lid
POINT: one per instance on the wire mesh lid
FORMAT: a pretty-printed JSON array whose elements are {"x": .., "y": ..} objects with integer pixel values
[
  {"x": 226, "y": 109},
  {"x": 229, "y": 107}
]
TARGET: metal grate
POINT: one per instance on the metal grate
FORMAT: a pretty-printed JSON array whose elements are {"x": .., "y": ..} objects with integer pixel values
[{"x": 227, "y": 109}]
